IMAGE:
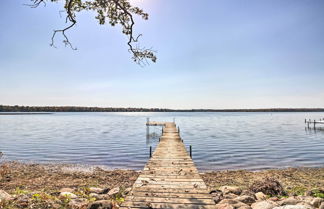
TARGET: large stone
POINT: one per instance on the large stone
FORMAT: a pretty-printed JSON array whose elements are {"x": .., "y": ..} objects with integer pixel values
[
  {"x": 245, "y": 199},
  {"x": 289, "y": 201},
  {"x": 101, "y": 204},
  {"x": 68, "y": 195},
  {"x": 230, "y": 196},
  {"x": 4, "y": 195},
  {"x": 231, "y": 189},
  {"x": 293, "y": 207},
  {"x": 263, "y": 205},
  {"x": 260, "y": 196},
  {"x": 234, "y": 203},
  {"x": 224, "y": 206}
]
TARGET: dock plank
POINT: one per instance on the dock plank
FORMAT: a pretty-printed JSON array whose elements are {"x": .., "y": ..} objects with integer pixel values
[{"x": 170, "y": 178}]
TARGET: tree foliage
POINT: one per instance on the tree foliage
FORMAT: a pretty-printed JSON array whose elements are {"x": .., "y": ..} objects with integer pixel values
[{"x": 114, "y": 12}]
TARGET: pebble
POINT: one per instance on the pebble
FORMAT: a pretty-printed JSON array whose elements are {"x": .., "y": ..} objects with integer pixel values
[
  {"x": 96, "y": 190},
  {"x": 260, "y": 196},
  {"x": 68, "y": 194}
]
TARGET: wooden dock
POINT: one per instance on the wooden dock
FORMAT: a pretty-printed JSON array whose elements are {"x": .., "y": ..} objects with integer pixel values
[
  {"x": 170, "y": 178},
  {"x": 314, "y": 122}
]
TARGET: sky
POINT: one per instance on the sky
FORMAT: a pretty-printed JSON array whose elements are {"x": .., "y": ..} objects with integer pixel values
[{"x": 211, "y": 54}]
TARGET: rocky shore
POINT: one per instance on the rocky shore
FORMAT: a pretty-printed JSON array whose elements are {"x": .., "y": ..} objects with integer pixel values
[{"x": 68, "y": 186}]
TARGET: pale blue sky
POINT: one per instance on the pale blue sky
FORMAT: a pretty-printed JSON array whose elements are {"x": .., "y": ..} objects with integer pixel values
[{"x": 211, "y": 54}]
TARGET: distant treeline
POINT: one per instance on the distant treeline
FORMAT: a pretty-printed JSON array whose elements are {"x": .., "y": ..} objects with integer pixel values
[{"x": 16, "y": 108}]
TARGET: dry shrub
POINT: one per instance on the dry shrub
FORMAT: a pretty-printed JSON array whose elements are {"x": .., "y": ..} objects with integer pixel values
[{"x": 268, "y": 186}]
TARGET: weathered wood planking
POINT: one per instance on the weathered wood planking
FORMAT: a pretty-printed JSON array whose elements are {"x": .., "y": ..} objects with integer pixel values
[{"x": 170, "y": 179}]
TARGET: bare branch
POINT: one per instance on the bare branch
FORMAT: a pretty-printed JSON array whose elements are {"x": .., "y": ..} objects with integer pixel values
[{"x": 117, "y": 11}]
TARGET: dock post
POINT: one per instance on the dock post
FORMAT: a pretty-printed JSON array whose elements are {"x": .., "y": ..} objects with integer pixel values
[
  {"x": 150, "y": 151},
  {"x": 190, "y": 148},
  {"x": 314, "y": 124},
  {"x": 147, "y": 128}
]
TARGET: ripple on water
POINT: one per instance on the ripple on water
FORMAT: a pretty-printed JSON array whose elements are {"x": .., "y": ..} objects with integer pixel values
[{"x": 118, "y": 140}]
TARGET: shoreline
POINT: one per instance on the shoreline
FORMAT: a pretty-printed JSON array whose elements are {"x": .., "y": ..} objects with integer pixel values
[{"x": 24, "y": 181}]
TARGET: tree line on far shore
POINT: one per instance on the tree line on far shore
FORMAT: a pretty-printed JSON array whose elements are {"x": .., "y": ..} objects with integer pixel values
[{"x": 16, "y": 108}]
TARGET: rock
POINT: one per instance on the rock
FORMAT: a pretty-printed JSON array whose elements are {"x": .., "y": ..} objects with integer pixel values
[
  {"x": 96, "y": 190},
  {"x": 306, "y": 205},
  {"x": 292, "y": 207},
  {"x": 263, "y": 205},
  {"x": 231, "y": 189},
  {"x": 247, "y": 192},
  {"x": 113, "y": 191},
  {"x": 245, "y": 207},
  {"x": 289, "y": 201},
  {"x": 4, "y": 195},
  {"x": 316, "y": 202},
  {"x": 101, "y": 204},
  {"x": 245, "y": 199},
  {"x": 224, "y": 206},
  {"x": 234, "y": 203},
  {"x": 230, "y": 196},
  {"x": 228, "y": 201},
  {"x": 68, "y": 194},
  {"x": 217, "y": 195},
  {"x": 321, "y": 206},
  {"x": 260, "y": 196},
  {"x": 78, "y": 203},
  {"x": 66, "y": 190}
]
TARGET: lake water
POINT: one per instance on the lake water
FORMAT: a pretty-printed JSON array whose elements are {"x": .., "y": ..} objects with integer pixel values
[{"x": 118, "y": 140}]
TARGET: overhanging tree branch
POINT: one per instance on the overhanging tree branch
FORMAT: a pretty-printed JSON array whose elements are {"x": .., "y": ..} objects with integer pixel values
[{"x": 117, "y": 12}]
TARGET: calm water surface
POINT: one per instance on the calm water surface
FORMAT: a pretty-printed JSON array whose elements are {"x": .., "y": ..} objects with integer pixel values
[{"x": 118, "y": 140}]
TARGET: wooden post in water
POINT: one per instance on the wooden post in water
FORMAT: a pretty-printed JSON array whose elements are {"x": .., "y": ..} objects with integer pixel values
[
  {"x": 147, "y": 128},
  {"x": 190, "y": 148},
  {"x": 314, "y": 124},
  {"x": 150, "y": 151}
]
